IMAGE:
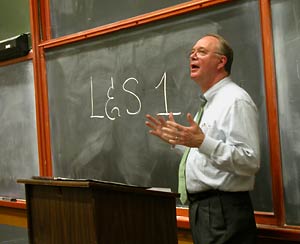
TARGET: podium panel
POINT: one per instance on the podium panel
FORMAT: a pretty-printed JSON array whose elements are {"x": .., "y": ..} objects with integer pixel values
[{"x": 74, "y": 211}]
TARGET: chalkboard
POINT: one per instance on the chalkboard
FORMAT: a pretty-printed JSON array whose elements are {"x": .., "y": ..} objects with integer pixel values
[
  {"x": 14, "y": 18},
  {"x": 18, "y": 136},
  {"x": 101, "y": 89},
  {"x": 287, "y": 56},
  {"x": 76, "y": 15}
]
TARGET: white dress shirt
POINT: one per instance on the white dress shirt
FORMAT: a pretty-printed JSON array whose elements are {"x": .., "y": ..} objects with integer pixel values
[{"x": 229, "y": 156}]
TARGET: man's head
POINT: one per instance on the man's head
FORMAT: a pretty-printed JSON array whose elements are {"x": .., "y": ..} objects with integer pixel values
[{"x": 210, "y": 60}]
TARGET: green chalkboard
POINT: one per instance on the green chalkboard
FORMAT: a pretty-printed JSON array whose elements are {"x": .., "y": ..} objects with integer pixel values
[
  {"x": 18, "y": 135},
  {"x": 287, "y": 56},
  {"x": 77, "y": 15},
  {"x": 14, "y": 18}
]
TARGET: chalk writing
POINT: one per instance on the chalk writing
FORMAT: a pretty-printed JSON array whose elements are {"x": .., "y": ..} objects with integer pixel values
[
  {"x": 164, "y": 79},
  {"x": 92, "y": 102},
  {"x": 109, "y": 100},
  {"x": 133, "y": 94},
  {"x": 116, "y": 110}
]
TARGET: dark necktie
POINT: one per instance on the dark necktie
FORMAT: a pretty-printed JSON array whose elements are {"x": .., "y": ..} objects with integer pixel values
[{"x": 181, "y": 172}]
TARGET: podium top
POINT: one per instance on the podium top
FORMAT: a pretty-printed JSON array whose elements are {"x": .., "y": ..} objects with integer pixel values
[{"x": 96, "y": 184}]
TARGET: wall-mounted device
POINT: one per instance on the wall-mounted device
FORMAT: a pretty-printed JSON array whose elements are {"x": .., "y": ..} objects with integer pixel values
[{"x": 15, "y": 47}]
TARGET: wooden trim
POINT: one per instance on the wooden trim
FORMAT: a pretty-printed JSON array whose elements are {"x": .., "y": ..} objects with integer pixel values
[
  {"x": 46, "y": 115},
  {"x": 265, "y": 217},
  {"x": 272, "y": 112},
  {"x": 133, "y": 22},
  {"x": 19, "y": 204},
  {"x": 184, "y": 236},
  {"x": 40, "y": 95},
  {"x": 17, "y": 60},
  {"x": 182, "y": 215},
  {"x": 13, "y": 216},
  {"x": 287, "y": 233},
  {"x": 45, "y": 19}
]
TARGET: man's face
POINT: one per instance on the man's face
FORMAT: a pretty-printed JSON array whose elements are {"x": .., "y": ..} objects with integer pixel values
[{"x": 204, "y": 60}]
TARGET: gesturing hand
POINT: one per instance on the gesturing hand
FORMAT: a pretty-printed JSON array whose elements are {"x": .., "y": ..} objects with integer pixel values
[
  {"x": 156, "y": 125},
  {"x": 174, "y": 133}
]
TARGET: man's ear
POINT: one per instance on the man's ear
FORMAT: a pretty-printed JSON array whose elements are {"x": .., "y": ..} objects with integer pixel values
[{"x": 222, "y": 62}]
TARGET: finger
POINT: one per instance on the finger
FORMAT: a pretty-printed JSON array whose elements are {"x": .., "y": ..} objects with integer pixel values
[
  {"x": 152, "y": 119},
  {"x": 173, "y": 136},
  {"x": 155, "y": 133},
  {"x": 161, "y": 120},
  {"x": 150, "y": 125},
  {"x": 190, "y": 119},
  {"x": 170, "y": 132},
  {"x": 171, "y": 117},
  {"x": 175, "y": 126},
  {"x": 174, "y": 141}
]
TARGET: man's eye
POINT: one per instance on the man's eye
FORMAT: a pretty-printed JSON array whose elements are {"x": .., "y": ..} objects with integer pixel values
[{"x": 201, "y": 52}]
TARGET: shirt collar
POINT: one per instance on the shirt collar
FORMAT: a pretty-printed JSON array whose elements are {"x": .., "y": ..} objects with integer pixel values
[{"x": 210, "y": 93}]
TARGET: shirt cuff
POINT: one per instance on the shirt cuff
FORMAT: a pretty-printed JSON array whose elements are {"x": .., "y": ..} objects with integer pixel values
[
  {"x": 208, "y": 145},
  {"x": 179, "y": 149}
]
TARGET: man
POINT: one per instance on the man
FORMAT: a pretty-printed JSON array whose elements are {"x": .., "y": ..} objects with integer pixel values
[{"x": 224, "y": 154}]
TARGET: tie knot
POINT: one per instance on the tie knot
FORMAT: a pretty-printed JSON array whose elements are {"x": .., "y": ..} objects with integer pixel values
[{"x": 202, "y": 101}]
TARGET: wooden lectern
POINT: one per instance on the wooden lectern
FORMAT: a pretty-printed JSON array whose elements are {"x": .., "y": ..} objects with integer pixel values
[{"x": 90, "y": 212}]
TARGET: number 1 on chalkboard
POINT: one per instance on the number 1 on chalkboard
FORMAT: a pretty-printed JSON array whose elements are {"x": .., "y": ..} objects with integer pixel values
[{"x": 164, "y": 79}]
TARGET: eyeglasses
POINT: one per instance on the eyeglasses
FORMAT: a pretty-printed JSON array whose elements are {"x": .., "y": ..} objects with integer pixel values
[{"x": 201, "y": 52}]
